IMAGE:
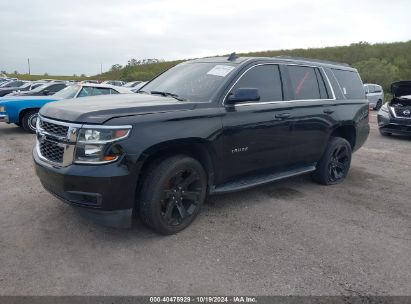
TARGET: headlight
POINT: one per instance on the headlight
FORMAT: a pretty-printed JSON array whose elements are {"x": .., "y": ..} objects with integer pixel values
[
  {"x": 384, "y": 108},
  {"x": 2, "y": 109},
  {"x": 98, "y": 145}
]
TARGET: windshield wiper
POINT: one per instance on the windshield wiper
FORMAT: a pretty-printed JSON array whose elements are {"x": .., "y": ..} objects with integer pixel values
[{"x": 166, "y": 94}]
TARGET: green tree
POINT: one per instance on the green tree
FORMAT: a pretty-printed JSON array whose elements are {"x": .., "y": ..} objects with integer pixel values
[
  {"x": 116, "y": 67},
  {"x": 378, "y": 71}
]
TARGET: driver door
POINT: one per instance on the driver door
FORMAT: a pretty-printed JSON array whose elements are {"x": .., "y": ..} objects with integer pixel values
[{"x": 256, "y": 134}]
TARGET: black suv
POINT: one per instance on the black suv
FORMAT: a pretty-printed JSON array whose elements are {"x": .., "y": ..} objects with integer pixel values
[{"x": 206, "y": 126}]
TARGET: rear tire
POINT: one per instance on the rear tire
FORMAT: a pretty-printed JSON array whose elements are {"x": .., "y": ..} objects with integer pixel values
[
  {"x": 335, "y": 163},
  {"x": 29, "y": 121},
  {"x": 378, "y": 105},
  {"x": 172, "y": 193}
]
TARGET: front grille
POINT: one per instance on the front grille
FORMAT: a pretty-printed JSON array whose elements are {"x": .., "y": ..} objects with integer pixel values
[
  {"x": 51, "y": 151},
  {"x": 54, "y": 129},
  {"x": 403, "y": 112}
]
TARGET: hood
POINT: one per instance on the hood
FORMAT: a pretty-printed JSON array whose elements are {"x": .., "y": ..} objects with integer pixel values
[
  {"x": 98, "y": 109},
  {"x": 27, "y": 98},
  {"x": 401, "y": 88}
]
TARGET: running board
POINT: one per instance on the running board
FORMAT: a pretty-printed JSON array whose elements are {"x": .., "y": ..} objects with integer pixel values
[{"x": 259, "y": 180}]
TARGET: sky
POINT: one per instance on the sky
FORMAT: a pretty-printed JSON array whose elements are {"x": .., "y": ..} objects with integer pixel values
[{"x": 76, "y": 37}]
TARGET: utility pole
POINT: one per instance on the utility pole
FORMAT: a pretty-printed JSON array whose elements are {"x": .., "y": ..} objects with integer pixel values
[
  {"x": 101, "y": 68},
  {"x": 28, "y": 63}
]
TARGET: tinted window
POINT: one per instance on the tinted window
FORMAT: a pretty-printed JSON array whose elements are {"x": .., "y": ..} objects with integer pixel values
[
  {"x": 265, "y": 78},
  {"x": 100, "y": 91},
  {"x": 350, "y": 83},
  {"x": 56, "y": 87},
  {"x": 113, "y": 91},
  {"x": 304, "y": 82}
]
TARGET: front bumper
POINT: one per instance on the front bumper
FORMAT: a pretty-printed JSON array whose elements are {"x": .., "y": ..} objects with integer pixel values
[
  {"x": 104, "y": 193},
  {"x": 389, "y": 124},
  {"x": 4, "y": 118}
]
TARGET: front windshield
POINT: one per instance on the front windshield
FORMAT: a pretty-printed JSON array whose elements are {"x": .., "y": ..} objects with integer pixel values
[
  {"x": 191, "y": 81},
  {"x": 68, "y": 92}
]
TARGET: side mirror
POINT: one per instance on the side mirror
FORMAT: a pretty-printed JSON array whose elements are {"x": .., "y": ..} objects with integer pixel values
[
  {"x": 46, "y": 92},
  {"x": 243, "y": 95}
]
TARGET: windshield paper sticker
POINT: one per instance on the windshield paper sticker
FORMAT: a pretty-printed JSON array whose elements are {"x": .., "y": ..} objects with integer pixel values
[{"x": 220, "y": 70}]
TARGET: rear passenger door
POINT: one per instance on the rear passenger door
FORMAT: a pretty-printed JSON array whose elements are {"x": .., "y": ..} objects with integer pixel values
[{"x": 311, "y": 113}]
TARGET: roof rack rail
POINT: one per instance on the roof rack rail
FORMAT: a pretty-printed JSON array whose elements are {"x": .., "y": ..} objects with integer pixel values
[{"x": 313, "y": 60}]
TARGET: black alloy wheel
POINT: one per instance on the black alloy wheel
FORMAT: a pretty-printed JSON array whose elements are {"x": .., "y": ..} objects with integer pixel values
[
  {"x": 338, "y": 165},
  {"x": 335, "y": 163},
  {"x": 181, "y": 197},
  {"x": 172, "y": 193}
]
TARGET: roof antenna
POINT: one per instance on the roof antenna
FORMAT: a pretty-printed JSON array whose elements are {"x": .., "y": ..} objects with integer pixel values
[{"x": 232, "y": 57}]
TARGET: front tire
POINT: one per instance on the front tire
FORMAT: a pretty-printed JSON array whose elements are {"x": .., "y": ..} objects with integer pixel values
[
  {"x": 335, "y": 162},
  {"x": 172, "y": 194},
  {"x": 29, "y": 120}
]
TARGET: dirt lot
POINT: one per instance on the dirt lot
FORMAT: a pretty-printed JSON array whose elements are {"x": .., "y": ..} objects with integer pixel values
[{"x": 292, "y": 237}]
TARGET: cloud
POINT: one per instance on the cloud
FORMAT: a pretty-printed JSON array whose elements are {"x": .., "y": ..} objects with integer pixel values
[{"x": 75, "y": 37}]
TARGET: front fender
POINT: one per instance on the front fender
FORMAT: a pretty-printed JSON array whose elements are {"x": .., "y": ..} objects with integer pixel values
[{"x": 15, "y": 107}]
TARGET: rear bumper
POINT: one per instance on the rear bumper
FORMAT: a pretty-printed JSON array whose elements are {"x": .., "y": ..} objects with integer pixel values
[
  {"x": 104, "y": 194},
  {"x": 4, "y": 118}
]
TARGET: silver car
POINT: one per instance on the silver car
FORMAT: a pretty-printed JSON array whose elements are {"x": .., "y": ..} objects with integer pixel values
[{"x": 375, "y": 95}]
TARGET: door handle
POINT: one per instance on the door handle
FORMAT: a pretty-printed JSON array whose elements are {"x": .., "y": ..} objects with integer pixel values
[
  {"x": 282, "y": 115},
  {"x": 328, "y": 111}
]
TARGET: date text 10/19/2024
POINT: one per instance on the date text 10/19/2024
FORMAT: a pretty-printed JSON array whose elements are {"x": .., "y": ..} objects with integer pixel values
[{"x": 205, "y": 299}]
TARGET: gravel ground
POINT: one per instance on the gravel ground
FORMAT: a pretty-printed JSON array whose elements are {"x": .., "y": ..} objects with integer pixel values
[{"x": 292, "y": 237}]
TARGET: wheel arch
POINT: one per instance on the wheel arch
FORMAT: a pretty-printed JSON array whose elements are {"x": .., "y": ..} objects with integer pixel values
[
  {"x": 196, "y": 148},
  {"x": 346, "y": 131},
  {"x": 24, "y": 111}
]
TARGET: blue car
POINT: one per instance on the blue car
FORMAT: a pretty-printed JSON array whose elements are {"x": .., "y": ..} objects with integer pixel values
[{"x": 23, "y": 110}]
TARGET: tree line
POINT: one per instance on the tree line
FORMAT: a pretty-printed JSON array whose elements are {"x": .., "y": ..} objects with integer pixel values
[{"x": 381, "y": 63}]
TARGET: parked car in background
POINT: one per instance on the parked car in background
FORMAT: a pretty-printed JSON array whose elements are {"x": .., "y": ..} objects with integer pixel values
[
  {"x": 26, "y": 86},
  {"x": 375, "y": 95},
  {"x": 394, "y": 116},
  {"x": 117, "y": 83},
  {"x": 207, "y": 126},
  {"x": 43, "y": 89},
  {"x": 137, "y": 87},
  {"x": 22, "y": 110},
  {"x": 12, "y": 84},
  {"x": 47, "y": 80},
  {"x": 132, "y": 84}
]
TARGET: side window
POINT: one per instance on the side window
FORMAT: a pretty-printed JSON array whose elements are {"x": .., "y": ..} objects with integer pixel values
[
  {"x": 350, "y": 83},
  {"x": 56, "y": 87},
  {"x": 85, "y": 91},
  {"x": 101, "y": 91},
  {"x": 304, "y": 82},
  {"x": 371, "y": 88},
  {"x": 113, "y": 91},
  {"x": 265, "y": 78}
]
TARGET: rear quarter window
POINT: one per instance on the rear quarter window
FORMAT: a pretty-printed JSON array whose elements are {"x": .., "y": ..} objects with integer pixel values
[{"x": 350, "y": 83}]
